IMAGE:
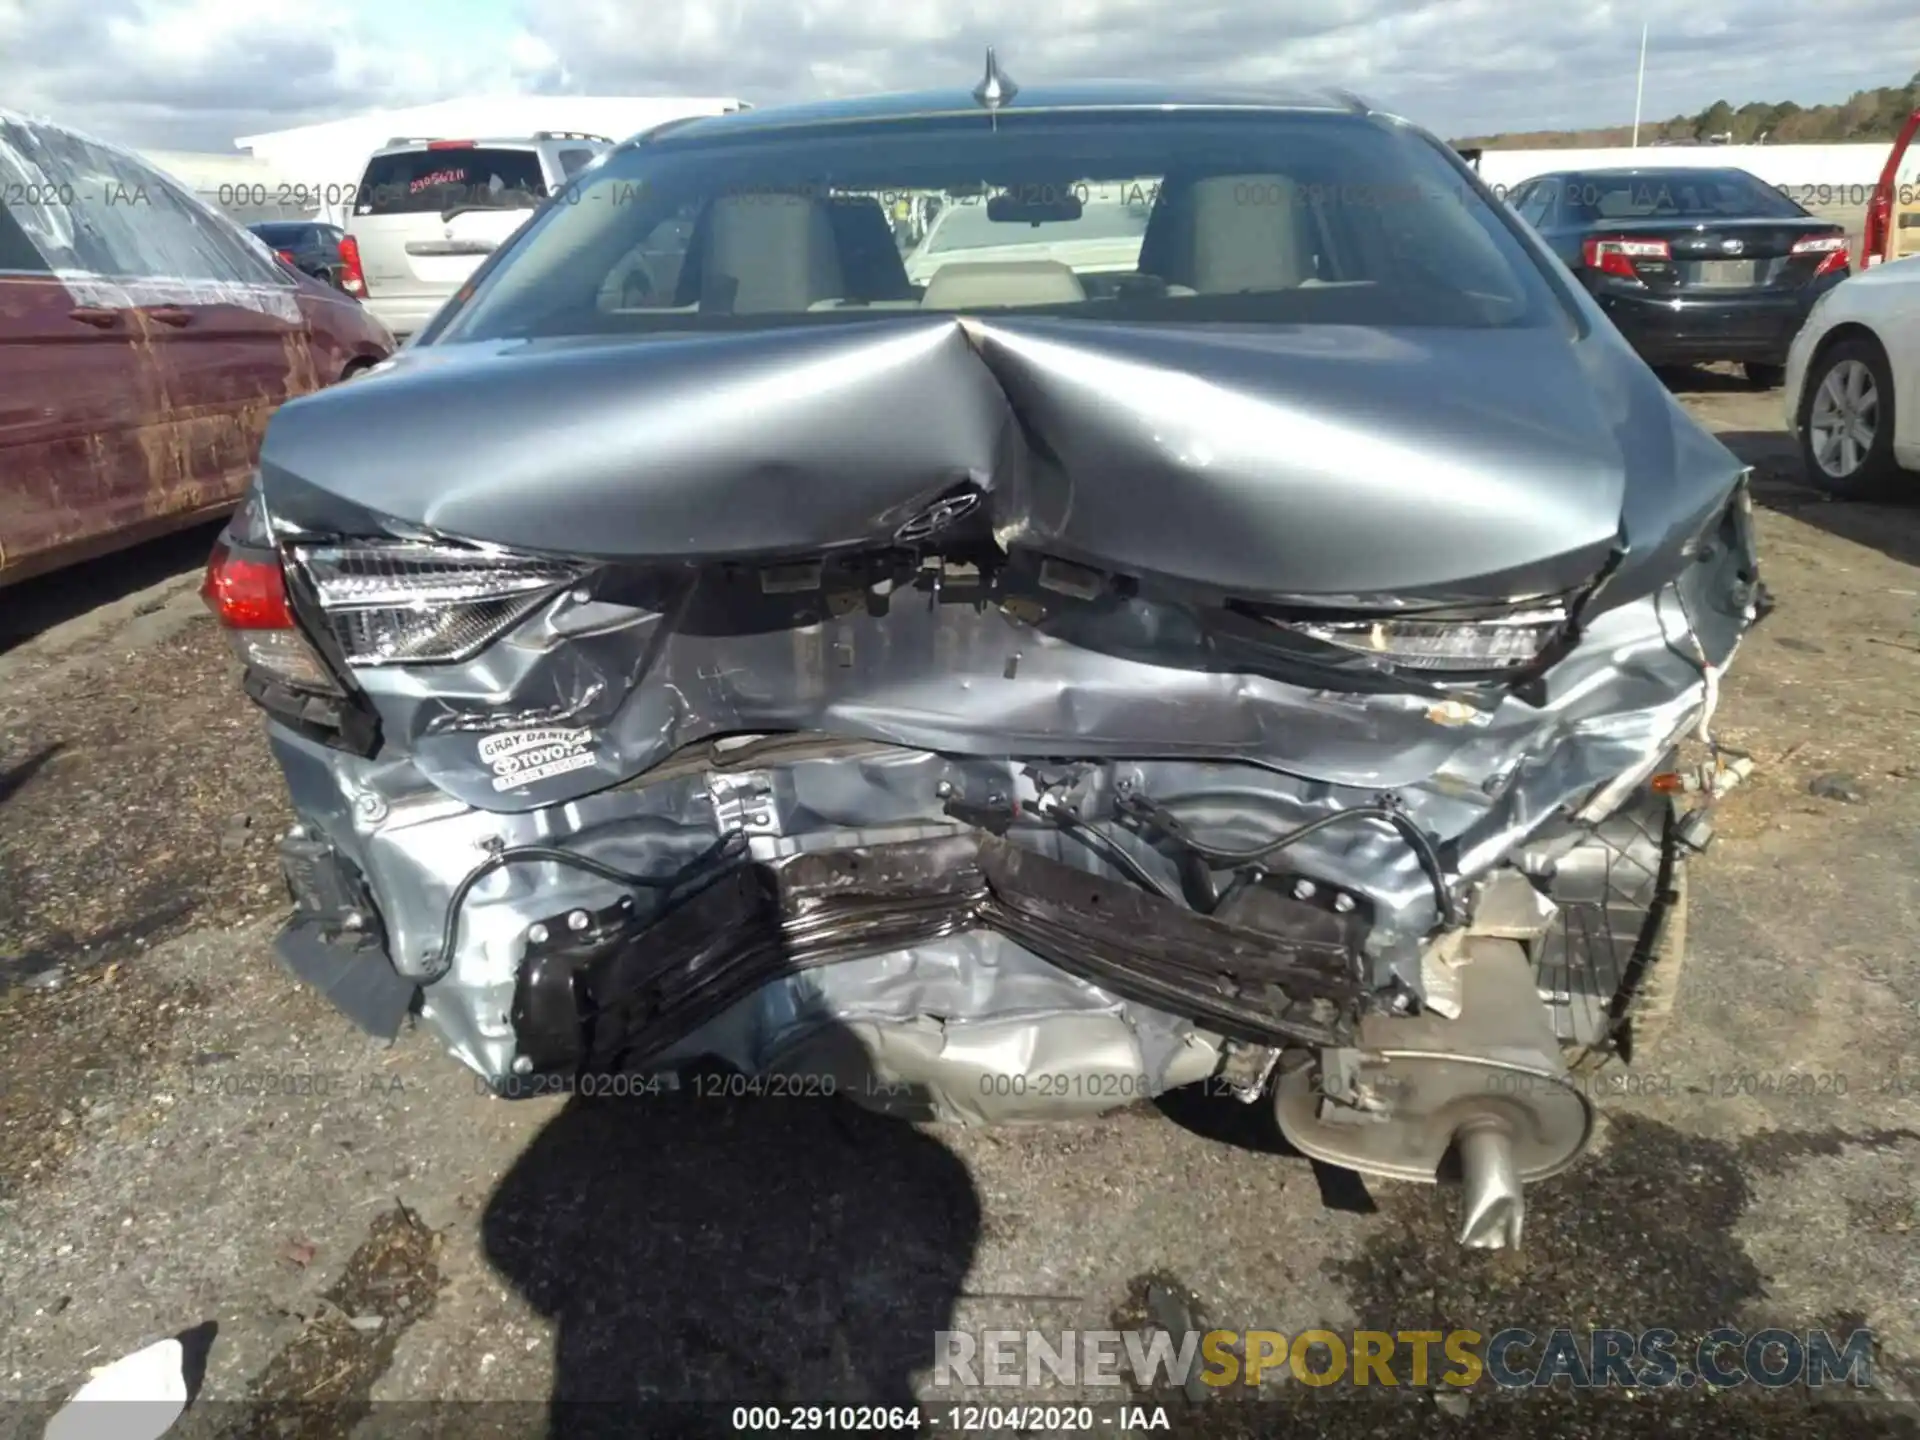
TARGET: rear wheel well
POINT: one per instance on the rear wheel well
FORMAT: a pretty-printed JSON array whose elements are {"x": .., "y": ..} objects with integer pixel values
[{"x": 1839, "y": 335}]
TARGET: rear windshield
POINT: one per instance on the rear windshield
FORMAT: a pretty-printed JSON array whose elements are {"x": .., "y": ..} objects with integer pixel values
[
  {"x": 283, "y": 234},
  {"x": 1679, "y": 195},
  {"x": 484, "y": 177},
  {"x": 1286, "y": 217}
]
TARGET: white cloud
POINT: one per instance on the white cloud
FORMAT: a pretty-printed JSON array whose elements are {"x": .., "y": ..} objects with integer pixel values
[{"x": 196, "y": 73}]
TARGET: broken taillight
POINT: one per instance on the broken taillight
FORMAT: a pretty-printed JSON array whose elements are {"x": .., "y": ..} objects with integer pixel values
[
  {"x": 247, "y": 592},
  {"x": 410, "y": 603}
]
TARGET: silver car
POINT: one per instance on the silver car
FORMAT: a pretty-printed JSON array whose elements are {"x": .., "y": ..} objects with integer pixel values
[{"x": 1017, "y": 694}]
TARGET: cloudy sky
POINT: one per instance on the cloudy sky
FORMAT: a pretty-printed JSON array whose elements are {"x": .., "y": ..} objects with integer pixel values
[{"x": 192, "y": 74}]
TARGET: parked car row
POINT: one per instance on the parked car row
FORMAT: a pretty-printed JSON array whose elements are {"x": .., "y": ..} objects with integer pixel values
[
  {"x": 145, "y": 341},
  {"x": 1700, "y": 265},
  {"x": 1692, "y": 265}
]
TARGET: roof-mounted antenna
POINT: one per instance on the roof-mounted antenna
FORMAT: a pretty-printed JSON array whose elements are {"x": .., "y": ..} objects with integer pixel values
[{"x": 994, "y": 89}]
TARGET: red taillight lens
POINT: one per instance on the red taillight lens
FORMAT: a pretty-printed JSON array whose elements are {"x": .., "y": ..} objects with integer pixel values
[
  {"x": 246, "y": 594},
  {"x": 1616, "y": 254},
  {"x": 286, "y": 257},
  {"x": 1832, "y": 250},
  {"x": 353, "y": 279},
  {"x": 450, "y": 145}
]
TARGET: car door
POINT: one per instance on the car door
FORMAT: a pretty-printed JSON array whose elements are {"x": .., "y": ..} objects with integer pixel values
[
  {"x": 1898, "y": 329},
  {"x": 85, "y": 462},
  {"x": 222, "y": 317}
]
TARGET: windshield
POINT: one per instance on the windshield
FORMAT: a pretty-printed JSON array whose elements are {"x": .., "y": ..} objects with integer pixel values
[
  {"x": 1680, "y": 195},
  {"x": 1297, "y": 217}
]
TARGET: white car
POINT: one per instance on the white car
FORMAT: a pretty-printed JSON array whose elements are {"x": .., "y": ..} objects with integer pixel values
[
  {"x": 428, "y": 212},
  {"x": 1853, "y": 384}
]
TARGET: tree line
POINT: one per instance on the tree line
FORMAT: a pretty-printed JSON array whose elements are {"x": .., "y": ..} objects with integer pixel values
[{"x": 1867, "y": 115}]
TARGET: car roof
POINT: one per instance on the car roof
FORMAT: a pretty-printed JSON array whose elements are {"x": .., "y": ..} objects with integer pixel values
[
  {"x": 1081, "y": 95},
  {"x": 528, "y": 142},
  {"x": 1635, "y": 172}
]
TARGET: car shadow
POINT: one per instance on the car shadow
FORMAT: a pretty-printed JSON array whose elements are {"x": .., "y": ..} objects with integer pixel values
[
  {"x": 30, "y": 607},
  {"x": 14, "y": 778},
  {"x": 1225, "y": 1120},
  {"x": 1780, "y": 480},
  {"x": 1699, "y": 380},
  {"x": 1780, "y": 483},
  {"x": 695, "y": 1253}
]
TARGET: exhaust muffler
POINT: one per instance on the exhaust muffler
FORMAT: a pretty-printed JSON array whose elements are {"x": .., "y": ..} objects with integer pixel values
[{"x": 1483, "y": 1096}]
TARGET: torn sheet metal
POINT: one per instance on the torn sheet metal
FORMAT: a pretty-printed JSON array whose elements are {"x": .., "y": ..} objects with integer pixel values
[{"x": 119, "y": 235}]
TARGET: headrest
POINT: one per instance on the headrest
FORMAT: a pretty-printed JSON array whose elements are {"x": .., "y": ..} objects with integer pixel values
[
  {"x": 868, "y": 254},
  {"x": 1229, "y": 233},
  {"x": 768, "y": 254}
]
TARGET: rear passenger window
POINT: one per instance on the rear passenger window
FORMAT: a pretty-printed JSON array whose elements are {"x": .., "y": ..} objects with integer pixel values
[
  {"x": 122, "y": 220},
  {"x": 16, "y": 250},
  {"x": 418, "y": 182}
]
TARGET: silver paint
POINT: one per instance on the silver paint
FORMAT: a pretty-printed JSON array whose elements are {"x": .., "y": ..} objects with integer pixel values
[{"x": 1326, "y": 466}]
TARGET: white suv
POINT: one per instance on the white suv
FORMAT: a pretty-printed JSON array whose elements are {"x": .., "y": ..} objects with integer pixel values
[{"x": 429, "y": 211}]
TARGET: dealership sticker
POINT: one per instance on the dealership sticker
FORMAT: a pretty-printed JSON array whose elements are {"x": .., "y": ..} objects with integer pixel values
[{"x": 523, "y": 757}]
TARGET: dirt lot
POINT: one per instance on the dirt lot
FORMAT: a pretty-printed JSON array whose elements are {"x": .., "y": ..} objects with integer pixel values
[{"x": 187, "y": 1136}]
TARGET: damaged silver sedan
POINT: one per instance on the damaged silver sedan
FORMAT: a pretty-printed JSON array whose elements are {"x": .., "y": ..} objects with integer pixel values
[{"x": 1231, "y": 620}]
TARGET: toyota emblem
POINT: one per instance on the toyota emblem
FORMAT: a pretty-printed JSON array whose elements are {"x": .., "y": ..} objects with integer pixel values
[{"x": 938, "y": 516}]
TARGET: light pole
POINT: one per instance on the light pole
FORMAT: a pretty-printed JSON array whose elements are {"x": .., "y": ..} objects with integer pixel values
[{"x": 1640, "y": 86}]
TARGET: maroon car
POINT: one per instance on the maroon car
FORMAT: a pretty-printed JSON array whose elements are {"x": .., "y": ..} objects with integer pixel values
[{"x": 144, "y": 342}]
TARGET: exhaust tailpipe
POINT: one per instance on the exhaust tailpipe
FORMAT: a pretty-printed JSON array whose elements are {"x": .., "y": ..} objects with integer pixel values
[{"x": 1492, "y": 1205}]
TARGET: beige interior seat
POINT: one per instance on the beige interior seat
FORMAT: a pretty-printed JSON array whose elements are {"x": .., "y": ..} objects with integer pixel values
[
  {"x": 765, "y": 255},
  {"x": 961, "y": 285},
  {"x": 1226, "y": 234},
  {"x": 1240, "y": 243}
]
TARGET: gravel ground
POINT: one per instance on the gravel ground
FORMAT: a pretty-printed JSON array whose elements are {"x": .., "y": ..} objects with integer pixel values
[{"x": 187, "y": 1136}]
